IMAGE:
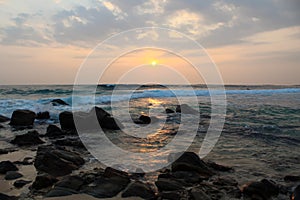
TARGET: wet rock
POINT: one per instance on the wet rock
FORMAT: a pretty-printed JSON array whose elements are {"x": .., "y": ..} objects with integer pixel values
[
  {"x": 25, "y": 161},
  {"x": 144, "y": 119},
  {"x": 73, "y": 142},
  {"x": 1, "y": 126},
  {"x": 225, "y": 181},
  {"x": 264, "y": 189},
  {"x": 57, "y": 162},
  {"x": 109, "y": 185},
  {"x": 169, "y": 111},
  {"x": 22, "y": 118},
  {"x": 30, "y": 138},
  {"x": 21, "y": 183},
  {"x": 219, "y": 167},
  {"x": 139, "y": 189},
  {"x": 60, "y": 192},
  {"x": 6, "y": 197},
  {"x": 71, "y": 182},
  {"x": 12, "y": 175},
  {"x": 188, "y": 176},
  {"x": 198, "y": 194},
  {"x": 43, "y": 181},
  {"x": 296, "y": 193},
  {"x": 190, "y": 161},
  {"x": 186, "y": 109},
  {"x": 66, "y": 121},
  {"x": 209, "y": 190},
  {"x": 53, "y": 131},
  {"x": 43, "y": 115},
  {"x": 6, "y": 166},
  {"x": 171, "y": 195},
  {"x": 164, "y": 184},
  {"x": 59, "y": 102},
  {"x": 4, "y": 119},
  {"x": 111, "y": 123},
  {"x": 3, "y": 151},
  {"x": 292, "y": 178}
]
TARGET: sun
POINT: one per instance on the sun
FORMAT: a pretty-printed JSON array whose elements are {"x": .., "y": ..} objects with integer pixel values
[{"x": 154, "y": 63}]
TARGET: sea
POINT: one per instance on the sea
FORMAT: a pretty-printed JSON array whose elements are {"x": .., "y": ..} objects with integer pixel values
[{"x": 260, "y": 137}]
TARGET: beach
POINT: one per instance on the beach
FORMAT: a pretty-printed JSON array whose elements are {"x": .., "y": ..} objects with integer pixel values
[{"x": 255, "y": 157}]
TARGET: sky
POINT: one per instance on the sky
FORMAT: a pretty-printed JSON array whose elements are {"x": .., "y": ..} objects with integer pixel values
[{"x": 249, "y": 42}]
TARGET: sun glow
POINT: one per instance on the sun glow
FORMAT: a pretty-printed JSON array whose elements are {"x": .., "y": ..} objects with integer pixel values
[{"x": 154, "y": 63}]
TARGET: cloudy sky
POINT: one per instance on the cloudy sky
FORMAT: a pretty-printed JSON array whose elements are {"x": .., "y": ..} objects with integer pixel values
[{"x": 251, "y": 42}]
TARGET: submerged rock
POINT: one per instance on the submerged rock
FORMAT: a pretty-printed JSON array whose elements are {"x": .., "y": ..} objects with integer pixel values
[
  {"x": 186, "y": 109},
  {"x": 22, "y": 118},
  {"x": 43, "y": 115},
  {"x": 30, "y": 138},
  {"x": 43, "y": 181},
  {"x": 168, "y": 111},
  {"x": 292, "y": 178},
  {"x": 57, "y": 162},
  {"x": 6, "y": 166},
  {"x": 59, "y": 102},
  {"x": 264, "y": 189},
  {"x": 296, "y": 193},
  {"x": 4, "y": 119},
  {"x": 6, "y": 197}
]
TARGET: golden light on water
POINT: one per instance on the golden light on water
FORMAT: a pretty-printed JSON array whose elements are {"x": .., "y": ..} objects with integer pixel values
[{"x": 154, "y": 63}]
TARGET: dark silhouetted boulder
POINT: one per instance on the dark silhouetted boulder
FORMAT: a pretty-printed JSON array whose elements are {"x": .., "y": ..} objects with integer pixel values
[
  {"x": 291, "y": 178},
  {"x": 43, "y": 181},
  {"x": 43, "y": 115},
  {"x": 22, "y": 118},
  {"x": 30, "y": 138},
  {"x": 66, "y": 121},
  {"x": 6, "y": 197},
  {"x": 59, "y": 102},
  {"x": 139, "y": 189},
  {"x": 169, "y": 111},
  {"x": 264, "y": 189},
  {"x": 4, "y": 119},
  {"x": 296, "y": 193},
  {"x": 190, "y": 161},
  {"x": 53, "y": 131},
  {"x": 57, "y": 162},
  {"x": 164, "y": 184},
  {"x": 6, "y": 166}
]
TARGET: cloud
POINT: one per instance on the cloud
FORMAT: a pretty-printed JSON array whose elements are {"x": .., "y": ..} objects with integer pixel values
[{"x": 156, "y": 7}]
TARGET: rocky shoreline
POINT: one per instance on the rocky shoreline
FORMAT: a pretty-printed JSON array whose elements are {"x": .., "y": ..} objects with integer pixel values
[{"x": 60, "y": 160}]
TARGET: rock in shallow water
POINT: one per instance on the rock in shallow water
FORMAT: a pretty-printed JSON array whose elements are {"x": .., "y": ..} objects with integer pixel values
[
  {"x": 6, "y": 166},
  {"x": 30, "y": 138},
  {"x": 66, "y": 121},
  {"x": 59, "y": 102},
  {"x": 57, "y": 162},
  {"x": 296, "y": 193},
  {"x": 6, "y": 197},
  {"x": 4, "y": 119},
  {"x": 22, "y": 118},
  {"x": 264, "y": 189},
  {"x": 43, "y": 115},
  {"x": 53, "y": 131},
  {"x": 21, "y": 183}
]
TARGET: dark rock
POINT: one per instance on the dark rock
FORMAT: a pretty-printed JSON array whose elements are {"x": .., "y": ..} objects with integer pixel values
[
  {"x": 30, "y": 138},
  {"x": 190, "y": 161},
  {"x": 107, "y": 187},
  {"x": 73, "y": 142},
  {"x": 264, "y": 189},
  {"x": 139, "y": 189},
  {"x": 164, "y": 184},
  {"x": 57, "y": 162},
  {"x": 111, "y": 123},
  {"x": 186, "y": 109},
  {"x": 6, "y": 166},
  {"x": 198, "y": 194},
  {"x": 225, "y": 181},
  {"x": 12, "y": 175},
  {"x": 4, "y": 119},
  {"x": 168, "y": 111},
  {"x": 43, "y": 115},
  {"x": 60, "y": 192},
  {"x": 1, "y": 126},
  {"x": 3, "y": 151},
  {"x": 26, "y": 161},
  {"x": 171, "y": 195},
  {"x": 111, "y": 172},
  {"x": 43, "y": 181},
  {"x": 6, "y": 197},
  {"x": 59, "y": 102},
  {"x": 209, "y": 190},
  {"x": 188, "y": 176},
  {"x": 53, "y": 131},
  {"x": 292, "y": 178},
  {"x": 296, "y": 193},
  {"x": 71, "y": 182},
  {"x": 218, "y": 167},
  {"x": 66, "y": 121},
  {"x": 21, "y": 183},
  {"x": 22, "y": 118}
]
